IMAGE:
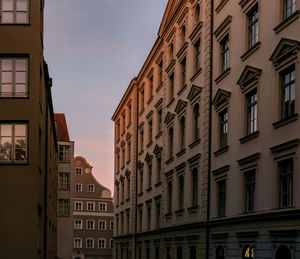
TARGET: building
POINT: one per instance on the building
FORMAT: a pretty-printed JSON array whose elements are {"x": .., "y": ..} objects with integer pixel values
[
  {"x": 65, "y": 188},
  {"x": 93, "y": 215},
  {"x": 206, "y": 136},
  {"x": 28, "y": 147}
]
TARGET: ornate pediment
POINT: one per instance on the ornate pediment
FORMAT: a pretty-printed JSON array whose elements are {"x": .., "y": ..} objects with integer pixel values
[
  {"x": 249, "y": 75},
  {"x": 170, "y": 116},
  {"x": 285, "y": 49},
  {"x": 180, "y": 106},
  {"x": 194, "y": 92},
  {"x": 148, "y": 158},
  {"x": 157, "y": 150},
  {"x": 221, "y": 98}
]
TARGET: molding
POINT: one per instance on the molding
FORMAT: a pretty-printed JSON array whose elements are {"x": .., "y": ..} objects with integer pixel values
[
  {"x": 194, "y": 92},
  {"x": 247, "y": 234},
  {"x": 222, "y": 75},
  {"x": 220, "y": 6},
  {"x": 169, "y": 118},
  {"x": 287, "y": 22},
  {"x": 221, "y": 170},
  {"x": 223, "y": 26},
  {"x": 285, "y": 121},
  {"x": 181, "y": 105},
  {"x": 249, "y": 159},
  {"x": 181, "y": 54},
  {"x": 159, "y": 103},
  {"x": 249, "y": 75},
  {"x": 250, "y": 51},
  {"x": 170, "y": 67},
  {"x": 195, "y": 33},
  {"x": 284, "y": 146},
  {"x": 249, "y": 137},
  {"x": 221, "y": 98},
  {"x": 180, "y": 166},
  {"x": 194, "y": 158},
  {"x": 221, "y": 151}
]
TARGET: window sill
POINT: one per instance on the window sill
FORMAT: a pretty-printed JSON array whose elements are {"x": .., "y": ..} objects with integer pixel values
[
  {"x": 142, "y": 111},
  {"x": 140, "y": 194},
  {"x": 287, "y": 22},
  {"x": 149, "y": 144},
  {"x": 195, "y": 143},
  {"x": 179, "y": 212},
  {"x": 150, "y": 100},
  {"x": 250, "y": 51},
  {"x": 128, "y": 162},
  {"x": 182, "y": 89},
  {"x": 249, "y": 137},
  {"x": 141, "y": 152},
  {"x": 198, "y": 72},
  {"x": 149, "y": 189},
  {"x": 15, "y": 24},
  {"x": 285, "y": 121},
  {"x": 221, "y": 151},
  {"x": 14, "y": 97},
  {"x": 13, "y": 163},
  {"x": 223, "y": 75},
  {"x": 193, "y": 208},
  {"x": 159, "y": 87},
  {"x": 170, "y": 66},
  {"x": 181, "y": 152},
  {"x": 170, "y": 160},
  {"x": 129, "y": 124},
  {"x": 158, "y": 184},
  {"x": 220, "y": 6},
  {"x": 158, "y": 135}
]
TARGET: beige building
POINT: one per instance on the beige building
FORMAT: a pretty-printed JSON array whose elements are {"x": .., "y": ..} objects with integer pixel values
[
  {"x": 206, "y": 139},
  {"x": 65, "y": 189},
  {"x": 28, "y": 147},
  {"x": 93, "y": 219}
]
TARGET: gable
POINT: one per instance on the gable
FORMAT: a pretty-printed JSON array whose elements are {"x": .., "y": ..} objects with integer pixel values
[
  {"x": 249, "y": 75},
  {"x": 195, "y": 90},
  {"x": 221, "y": 98},
  {"x": 180, "y": 106}
]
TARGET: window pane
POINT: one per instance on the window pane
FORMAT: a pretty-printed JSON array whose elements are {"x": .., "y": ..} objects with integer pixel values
[
  {"x": 20, "y": 130},
  {"x": 7, "y": 65},
  {"x": 22, "y": 17},
  {"x": 7, "y": 77},
  {"x": 20, "y": 77},
  {"x": 22, "y": 5},
  {"x": 6, "y": 90},
  {"x": 21, "y": 64},
  {"x": 7, "y": 17},
  {"x": 6, "y": 130},
  {"x": 6, "y": 148},
  {"x": 21, "y": 90},
  {"x": 7, "y": 5}
]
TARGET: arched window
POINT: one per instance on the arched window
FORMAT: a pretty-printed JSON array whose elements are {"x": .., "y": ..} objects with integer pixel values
[
  {"x": 197, "y": 13},
  {"x": 179, "y": 252},
  {"x": 171, "y": 142},
  {"x": 248, "y": 252},
  {"x": 195, "y": 187},
  {"x": 220, "y": 253},
  {"x": 283, "y": 252},
  {"x": 193, "y": 252},
  {"x": 196, "y": 121},
  {"x": 181, "y": 192},
  {"x": 169, "y": 196},
  {"x": 182, "y": 132}
]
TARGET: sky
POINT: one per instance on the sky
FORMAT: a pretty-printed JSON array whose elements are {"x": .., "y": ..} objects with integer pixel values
[{"x": 93, "y": 49}]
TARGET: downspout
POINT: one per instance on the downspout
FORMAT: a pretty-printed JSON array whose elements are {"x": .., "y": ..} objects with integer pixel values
[
  {"x": 136, "y": 173},
  {"x": 210, "y": 127}
]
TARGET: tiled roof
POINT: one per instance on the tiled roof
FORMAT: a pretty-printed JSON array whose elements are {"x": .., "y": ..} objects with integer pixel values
[{"x": 61, "y": 127}]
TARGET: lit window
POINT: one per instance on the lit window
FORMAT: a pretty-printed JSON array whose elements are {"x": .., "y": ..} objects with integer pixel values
[
  {"x": 289, "y": 7},
  {"x": 15, "y": 11},
  {"x": 13, "y": 143},
  {"x": 63, "y": 207},
  {"x": 89, "y": 243},
  {"x": 253, "y": 27},
  {"x": 102, "y": 206},
  {"x": 251, "y": 112},
  {"x": 78, "y": 187},
  {"x": 90, "y": 224},
  {"x": 64, "y": 153},
  {"x": 77, "y": 242},
  {"x": 102, "y": 243},
  {"x": 288, "y": 92},
  {"x": 78, "y": 171},
  {"x": 285, "y": 183},
  {"x": 90, "y": 187},
  {"x": 102, "y": 225},
  {"x": 64, "y": 181},
  {"x": 78, "y": 205},
  {"x": 14, "y": 77},
  {"x": 77, "y": 224},
  {"x": 248, "y": 252}
]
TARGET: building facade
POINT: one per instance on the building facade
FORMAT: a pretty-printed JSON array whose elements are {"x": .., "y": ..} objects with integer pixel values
[
  {"x": 28, "y": 147},
  {"x": 93, "y": 219},
  {"x": 206, "y": 139},
  {"x": 65, "y": 188}
]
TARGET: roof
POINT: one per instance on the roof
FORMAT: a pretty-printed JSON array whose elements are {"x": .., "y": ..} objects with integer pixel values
[{"x": 61, "y": 127}]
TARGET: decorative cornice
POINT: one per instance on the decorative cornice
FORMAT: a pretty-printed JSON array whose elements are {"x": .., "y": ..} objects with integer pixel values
[
  {"x": 180, "y": 167},
  {"x": 194, "y": 92},
  {"x": 170, "y": 117},
  {"x": 223, "y": 26},
  {"x": 221, "y": 97},
  {"x": 221, "y": 170},
  {"x": 249, "y": 159},
  {"x": 248, "y": 76},
  {"x": 180, "y": 106},
  {"x": 159, "y": 102},
  {"x": 284, "y": 146}
]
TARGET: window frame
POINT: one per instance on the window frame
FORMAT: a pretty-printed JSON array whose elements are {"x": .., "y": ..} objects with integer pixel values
[
  {"x": 224, "y": 50},
  {"x": 78, "y": 170},
  {"x": 253, "y": 29},
  {"x": 80, "y": 187},
  {"x": 15, "y": 11},
  {"x": 105, "y": 206},
  {"x": 75, "y": 205},
  {"x": 251, "y": 111},
  {"x": 87, "y": 242},
  {"x": 90, "y": 227},
  {"x": 64, "y": 181},
  {"x": 90, "y": 203},
  {"x": 80, "y": 241},
  {"x": 102, "y": 222},
  {"x": 63, "y": 211},
  {"x": 64, "y": 153},
  {"x": 285, "y": 15},
  {"x": 80, "y": 224},
  {"x": 92, "y": 189},
  {"x": 223, "y": 132},
  {"x": 290, "y": 176},
  {"x": 221, "y": 207},
  {"x": 249, "y": 190}
]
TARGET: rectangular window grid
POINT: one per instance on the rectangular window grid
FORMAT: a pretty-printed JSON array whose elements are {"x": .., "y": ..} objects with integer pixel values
[
  {"x": 64, "y": 154},
  {"x": 221, "y": 198},
  {"x": 252, "y": 112},
  {"x": 223, "y": 128},
  {"x": 15, "y": 11},
  {"x": 288, "y": 92},
  {"x": 253, "y": 27},
  {"x": 102, "y": 225},
  {"x": 77, "y": 224},
  {"x": 286, "y": 183},
  {"x": 102, "y": 206},
  {"x": 63, "y": 207},
  {"x": 249, "y": 190},
  {"x": 64, "y": 181}
]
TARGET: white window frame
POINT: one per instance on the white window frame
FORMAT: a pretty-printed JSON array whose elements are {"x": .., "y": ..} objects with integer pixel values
[
  {"x": 87, "y": 205},
  {"x": 78, "y": 226},
  {"x": 87, "y": 224},
  {"x": 64, "y": 153},
  {"x": 90, "y": 239},
  {"x": 81, "y": 205},
  {"x": 105, "y": 206},
  {"x": 100, "y": 224},
  {"x": 111, "y": 225},
  {"x": 80, "y": 240},
  {"x": 79, "y": 185},
  {"x": 13, "y": 137},
  {"x": 104, "y": 241},
  {"x": 91, "y": 188},
  {"x": 78, "y": 170}
]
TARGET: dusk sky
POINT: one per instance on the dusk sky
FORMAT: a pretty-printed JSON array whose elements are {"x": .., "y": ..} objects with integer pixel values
[{"x": 94, "y": 48}]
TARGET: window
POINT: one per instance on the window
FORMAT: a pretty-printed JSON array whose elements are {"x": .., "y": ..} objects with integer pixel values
[
  {"x": 149, "y": 217},
  {"x": 151, "y": 86},
  {"x": 158, "y": 169},
  {"x": 220, "y": 254},
  {"x": 182, "y": 132},
  {"x": 249, "y": 190},
  {"x": 13, "y": 143},
  {"x": 123, "y": 122},
  {"x": 64, "y": 153},
  {"x": 197, "y": 13},
  {"x": 78, "y": 187},
  {"x": 77, "y": 242},
  {"x": 111, "y": 243},
  {"x": 90, "y": 206},
  {"x": 64, "y": 181},
  {"x": 171, "y": 142},
  {"x": 128, "y": 187},
  {"x": 149, "y": 175},
  {"x": 123, "y": 157},
  {"x": 157, "y": 253},
  {"x": 77, "y": 224},
  {"x": 181, "y": 192},
  {"x": 15, "y": 11},
  {"x": 171, "y": 83},
  {"x": 183, "y": 72},
  {"x": 169, "y": 196},
  {"x": 141, "y": 140},
  {"x": 248, "y": 252},
  {"x": 123, "y": 190},
  {"x": 63, "y": 207},
  {"x": 251, "y": 112},
  {"x": 288, "y": 92},
  {"x": 89, "y": 243},
  {"x": 14, "y": 77},
  {"x": 193, "y": 252},
  {"x": 159, "y": 115},
  {"x": 160, "y": 66},
  {"x": 147, "y": 252},
  {"x": 285, "y": 183},
  {"x": 195, "y": 187},
  {"x": 223, "y": 119},
  {"x": 118, "y": 163},
  {"x": 90, "y": 224},
  {"x": 142, "y": 98},
  {"x": 78, "y": 205},
  {"x": 196, "y": 115},
  {"x": 129, "y": 150},
  {"x": 197, "y": 55},
  {"x": 141, "y": 180},
  {"x": 289, "y": 7},
  {"x": 102, "y": 243},
  {"x": 221, "y": 198},
  {"x": 102, "y": 225},
  {"x": 253, "y": 27},
  {"x": 225, "y": 53},
  {"x": 118, "y": 194},
  {"x": 183, "y": 33},
  {"x": 111, "y": 225},
  {"x": 171, "y": 51},
  {"x": 91, "y": 188},
  {"x": 283, "y": 252},
  {"x": 179, "y": 252},
  {"x": 141, "y": 219},
  {"x": 78, "y": 171},
  {"x": 102, "y": 206},
  {"x": 158, "y": 215},
  {"x": 118, "y": 130},
  {"x": 150, "y": 131},
  {"x": 129, "y": 113},
  {"x": 168, "y": 253}
]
